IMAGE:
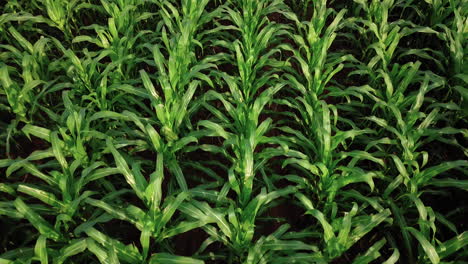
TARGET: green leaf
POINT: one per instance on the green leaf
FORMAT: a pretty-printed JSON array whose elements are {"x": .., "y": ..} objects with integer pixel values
[
  {"x": 453, "y": 245},
  {"x": 7, "y": 189},
  {"x": 57, "y": 149},
  {"x": 401, "y": 168},
  {"x": 97, "y": 250},
  {"x": 424, "y": 176},
  {"x": 153, "y": 192},
  {"x": 19, "y": 254},
  {"x": 346, "y": 225},
  {"x": 154, "y": 137},
  {"x": 149, "y": 85},
  {"x": 183, "y": 227},
  {"x": 40, "y": 249},
  {"x": 36, "y": 220},
  {"x": 363, "y": 228},
  {"x": 217, "y": 129},
  {"x": 371, "y": 254},
  {"x": 36, "y": 131},
  {"x": 112, "y": 210},
  {"x": 306, "y": 202},
  {"x": 145, "y": 239},
  {"x": 128, "y": 254},
  {"x": 327, "y": 228},
  {"x": 73, "y": 248},
  {"x": 426, "y": 245},
  {"x": 137, "y": 183},
  {"x": 164, "y": 258},
  {"x": 46, "y": 197},
  {"x": 170, "y": 209},
  {"x": 6, "y": 162},
  {"x": 393, "y": 258},
  {"x": 177, "y": 172}
]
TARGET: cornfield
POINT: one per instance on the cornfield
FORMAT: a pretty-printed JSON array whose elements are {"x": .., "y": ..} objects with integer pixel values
[{"x": 238, "y": 131}]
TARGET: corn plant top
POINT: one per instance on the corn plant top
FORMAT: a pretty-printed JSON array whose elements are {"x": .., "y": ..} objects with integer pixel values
[{"x": 239, "y": 131}]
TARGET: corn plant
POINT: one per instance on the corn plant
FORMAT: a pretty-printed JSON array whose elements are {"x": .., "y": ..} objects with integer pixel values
[
  {"x": 241, "y": 129},
  {"x": 440, "y": 10},
  {"x": 69, "y": 171},
  {"x": 152, "y": 223},
  {"x": 26, "y": 76},
  {"x": 177, "y": 76},
  {"x": 392, "y": 83},
  {"x": 97, "y": 84},
  {"x": 60, "y": 13},
  {"x": 454, "y": 37},
  {"x": 35, "y": 71},
  {"x": 125, "y": 14},
  {"x": 384, "y": 36},
  {"x": 410, "y": 161},
  {"x": 316, "y": 147},
  {"x": 117, "y": 39}
]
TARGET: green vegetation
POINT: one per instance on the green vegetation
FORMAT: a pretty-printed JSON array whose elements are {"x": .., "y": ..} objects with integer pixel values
[{"x": 239, "y": 131}]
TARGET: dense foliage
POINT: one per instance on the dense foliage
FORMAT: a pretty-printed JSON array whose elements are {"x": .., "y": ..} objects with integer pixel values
[{"x": 238, "y": 131}]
